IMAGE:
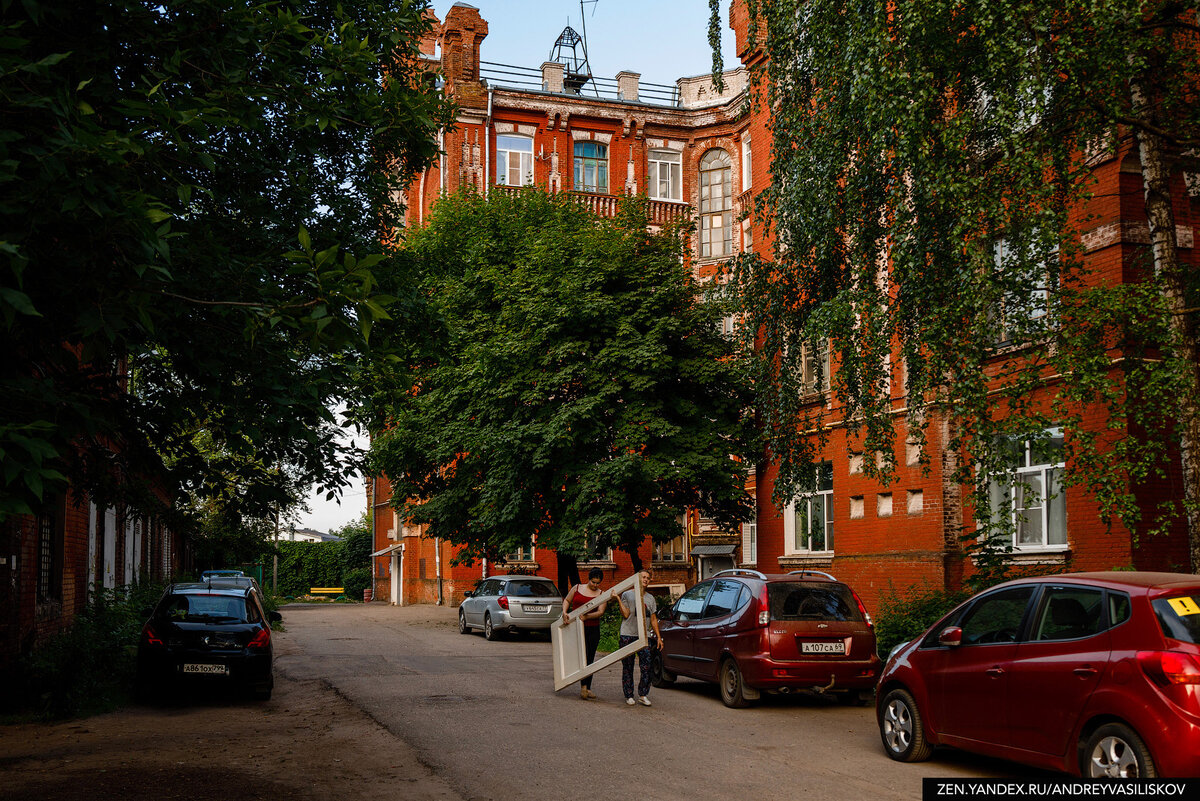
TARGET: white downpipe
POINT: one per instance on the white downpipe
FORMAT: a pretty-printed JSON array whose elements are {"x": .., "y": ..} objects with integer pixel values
[
  {"x": 437, "y": 557},
  {"x": 487, "y": 147},
  {"x": 441, "y": 162}
]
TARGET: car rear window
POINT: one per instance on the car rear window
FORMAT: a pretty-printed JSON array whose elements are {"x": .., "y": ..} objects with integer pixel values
[
  {"x": 206, "y": 608},
  {"x": 535, "y": 589},
  {"x": 1179, "y": 617},
  {"x": 797, "y": 601}
]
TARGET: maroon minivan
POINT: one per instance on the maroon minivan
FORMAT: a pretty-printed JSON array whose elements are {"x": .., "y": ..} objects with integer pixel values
[
  {"x": 1096, "y": 674},
  {"x": 751, "y": 632}
]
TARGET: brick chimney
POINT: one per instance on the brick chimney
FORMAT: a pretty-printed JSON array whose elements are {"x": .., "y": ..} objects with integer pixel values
[
  {"x": 627, "y": 85},
  {"x": 461, "y": 35},
  {"x": 552, "y": 77}
]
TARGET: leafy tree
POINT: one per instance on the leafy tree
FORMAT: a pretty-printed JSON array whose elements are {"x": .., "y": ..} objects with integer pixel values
[
  {"x": 358, "y": 541},
  {"x": 194, "y": 193},
  {"x": 576, "y": 389},
  {"x": 908, "y": 138}
]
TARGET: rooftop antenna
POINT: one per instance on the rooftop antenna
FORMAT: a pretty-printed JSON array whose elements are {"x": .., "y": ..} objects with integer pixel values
[{"x": 577, "y": 71}]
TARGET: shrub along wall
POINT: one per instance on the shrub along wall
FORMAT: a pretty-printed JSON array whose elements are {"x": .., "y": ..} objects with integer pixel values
[{"x": 309, "y": 564}]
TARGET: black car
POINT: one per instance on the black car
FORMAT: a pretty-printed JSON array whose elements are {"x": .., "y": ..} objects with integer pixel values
[{"x": 207, "y": 634}]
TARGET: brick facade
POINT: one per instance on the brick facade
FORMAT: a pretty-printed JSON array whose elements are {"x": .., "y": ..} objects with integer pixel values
[{"x": 916, "y": 542}]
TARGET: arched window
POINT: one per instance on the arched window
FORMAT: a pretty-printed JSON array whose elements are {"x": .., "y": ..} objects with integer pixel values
[
  {"x": 514, "y": 160},
  {"x": 591, "y": 167},
  {"x": 716, "y": 205}
]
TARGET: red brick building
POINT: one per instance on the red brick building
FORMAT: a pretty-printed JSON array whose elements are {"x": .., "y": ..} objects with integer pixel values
[
  {"x": 53, "y": 563},
  {"x": 696, "y": 151}
]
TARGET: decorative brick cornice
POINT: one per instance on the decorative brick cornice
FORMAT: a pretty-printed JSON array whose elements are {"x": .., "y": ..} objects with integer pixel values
[{"x": 1130, "y": 233}]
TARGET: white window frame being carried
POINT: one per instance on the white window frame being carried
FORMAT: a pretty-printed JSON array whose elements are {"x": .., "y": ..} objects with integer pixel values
[{"x": 514, "y": 161}]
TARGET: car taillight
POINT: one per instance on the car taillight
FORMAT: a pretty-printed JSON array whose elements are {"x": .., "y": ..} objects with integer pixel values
[
  {"x": 261, "y": 639},
  {"x": 150, "y": 636},
  {"x": 764, "y": 608},
  {"x": 862, "y": 609},
  {"x": 1170, "y": 667},
  {"x": 503, "y": 601}
]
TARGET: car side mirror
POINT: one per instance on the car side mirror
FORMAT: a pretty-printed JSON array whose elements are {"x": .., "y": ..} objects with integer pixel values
[
  {"x": 951, "y": 637},
  {"x": 274, "y": 617},
  {"x": 469, "y": 594}
]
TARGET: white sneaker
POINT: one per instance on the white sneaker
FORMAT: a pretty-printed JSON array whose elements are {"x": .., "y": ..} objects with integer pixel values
[
  {"x": 630, "y": 701},
  {"x": 643, "y": 699}
]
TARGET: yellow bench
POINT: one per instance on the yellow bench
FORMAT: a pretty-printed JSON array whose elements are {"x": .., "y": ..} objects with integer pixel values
[{"x": 323, "y": 590}]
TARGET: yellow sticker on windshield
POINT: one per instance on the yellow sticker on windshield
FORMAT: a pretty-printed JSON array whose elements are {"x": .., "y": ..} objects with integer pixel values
[{"x": 1184, "y": 606}]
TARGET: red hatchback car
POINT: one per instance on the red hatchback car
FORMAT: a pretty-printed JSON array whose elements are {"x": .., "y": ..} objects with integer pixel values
[
  {"x": 1096, "y": 674},
  {"x": 751, "y": 632}
]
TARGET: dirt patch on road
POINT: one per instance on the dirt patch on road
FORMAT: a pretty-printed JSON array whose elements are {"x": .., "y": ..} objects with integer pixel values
[{"x": 306, "y": 743}]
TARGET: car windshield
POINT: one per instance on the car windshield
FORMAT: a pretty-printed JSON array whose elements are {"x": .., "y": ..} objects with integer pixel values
[
  {"x": 797, "y": 601},
  {"x": 197, "y": 608},
  {"x": 536, "y": 589},
  {"x": 1179, "y": 617}
]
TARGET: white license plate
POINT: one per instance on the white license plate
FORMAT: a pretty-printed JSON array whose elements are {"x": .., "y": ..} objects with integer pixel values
[
  {"x": 543, "y": 608},
  {"x": 838, "y": 648},
  {"x": 214, "y": 670}
]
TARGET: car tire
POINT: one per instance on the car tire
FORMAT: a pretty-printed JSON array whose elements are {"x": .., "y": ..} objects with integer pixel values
[
  {"x": 260, "y": 694},
  {"x": 1116, "y": 751},
  {"x": 490, "y": 632},
  {"x": 659, "y": 675},
  {"x": 463, "y": 628},
  {"x": 902, "y": 728},
  {"x": 733, "y": 687}
]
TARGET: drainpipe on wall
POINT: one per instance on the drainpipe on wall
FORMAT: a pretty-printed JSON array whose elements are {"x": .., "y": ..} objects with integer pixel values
[
  {"x": 442, "y": 161},
  {"x": 487, "y": 147},
  {"x": 437, "y": 557}
]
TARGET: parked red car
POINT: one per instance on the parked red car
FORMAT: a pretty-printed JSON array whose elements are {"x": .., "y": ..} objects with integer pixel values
[
  {"x": 750, "y": 632},
  {"x": 1096, "y": 674}
]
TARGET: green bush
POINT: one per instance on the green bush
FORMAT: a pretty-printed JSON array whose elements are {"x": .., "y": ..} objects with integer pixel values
[
  {"x": 355, "y": 581},
  {"x": 303, "y": 565},
  {"x": 88, "y": 668},
  {"x": 905, "y": 616}
]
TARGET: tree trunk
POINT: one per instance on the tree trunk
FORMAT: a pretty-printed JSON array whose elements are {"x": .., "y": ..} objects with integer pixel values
[
  {"x": 1165, "y": 251},
  {"x": 568, "y": 572}
]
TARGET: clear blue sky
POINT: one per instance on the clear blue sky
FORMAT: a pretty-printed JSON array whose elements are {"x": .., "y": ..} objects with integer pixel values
[{"x": 661, "y": 39}]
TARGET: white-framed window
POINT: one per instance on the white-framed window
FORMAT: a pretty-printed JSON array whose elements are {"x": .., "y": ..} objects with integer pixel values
[
  {"x": 814, "y": 367},
  {"x": 674, "y": 550},
  {"x": 716, "y": 205},
  {"x": 591, "y": 167},
  {"x": 1026, "y": 292},
  {"x": 808, "y": 520},
  {"x": 514, "y": 160},
  {"x": 523, "y": 554},
  {"x": 750, "y": 543},
  {"x": 747, "y": 170},
  {"x": 1031, "y": 492},
  {"x": 664, "y": 175}
]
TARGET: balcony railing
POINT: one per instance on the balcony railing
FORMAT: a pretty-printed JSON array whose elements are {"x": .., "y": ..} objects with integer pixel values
[{"x": 661, "y": 212}]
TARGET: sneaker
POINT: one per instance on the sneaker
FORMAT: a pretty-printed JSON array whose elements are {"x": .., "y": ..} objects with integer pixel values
[
  {"x": 630, "y": 701},
  {"x": 643, "y": 699},
  {"x": 583, "y": 693},
  {"x": 588, "y": 693}
]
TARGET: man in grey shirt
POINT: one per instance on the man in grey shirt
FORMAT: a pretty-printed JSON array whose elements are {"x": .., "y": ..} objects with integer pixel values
[{"x": 629, "y": 633}]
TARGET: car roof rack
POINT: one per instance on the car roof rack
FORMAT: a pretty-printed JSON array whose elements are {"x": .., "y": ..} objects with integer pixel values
[
  {"x": 740, "y": 571},
  {"x": 811, "y": 573}
]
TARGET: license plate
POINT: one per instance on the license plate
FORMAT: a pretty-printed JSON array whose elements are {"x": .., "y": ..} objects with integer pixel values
[
  {"x": 543, "y": 608},
  {"x": 212, "y": 670},
  {"x": 838, "y": 648}
]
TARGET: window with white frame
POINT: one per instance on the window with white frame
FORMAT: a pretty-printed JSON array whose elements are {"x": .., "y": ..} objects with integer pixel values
[
  {"x": 522, "y": 554},
  {"x": 750, "y": 543},
  {"x": 808, "y": 520},
  {"x": 674, "y": 550},
  {"x": 514, "y": 160},
  {"x": 1025, "y": 283},
  {"x": 664, "y": 177},
  {"x": 591, "y": 167},
  {"x": 814, "y": 367},
  {"x": 1030, "y": 493},
  {"x": 716, "y": 205},
  {"x": 747, "y": 173}
]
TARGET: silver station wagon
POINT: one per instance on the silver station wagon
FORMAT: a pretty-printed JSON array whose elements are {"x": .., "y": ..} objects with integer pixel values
[{"x": 502, "y": 604}]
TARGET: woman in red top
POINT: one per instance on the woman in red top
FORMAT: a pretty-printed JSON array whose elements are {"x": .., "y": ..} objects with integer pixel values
[{"x": 579, "y": 595}]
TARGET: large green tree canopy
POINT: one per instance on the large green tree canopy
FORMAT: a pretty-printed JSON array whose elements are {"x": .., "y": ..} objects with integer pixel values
[
  {"x": 194, "y": 197},
  {"x": 931, "y": 160},
  {"x": 577, "y": 389}
]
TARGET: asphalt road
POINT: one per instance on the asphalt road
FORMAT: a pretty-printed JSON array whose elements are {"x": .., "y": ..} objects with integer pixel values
[{"x": 485, "y": 718}]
